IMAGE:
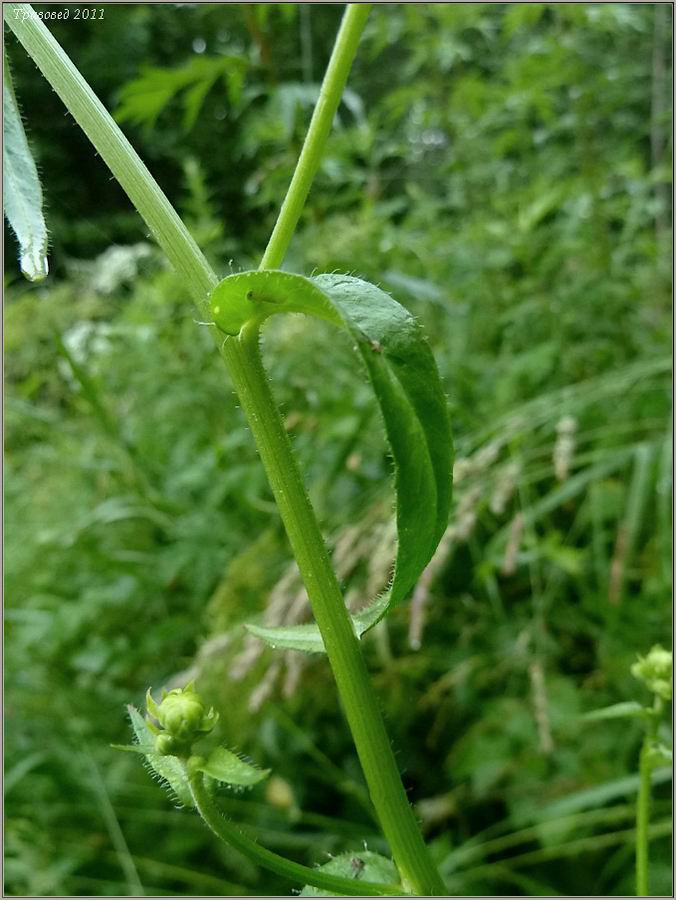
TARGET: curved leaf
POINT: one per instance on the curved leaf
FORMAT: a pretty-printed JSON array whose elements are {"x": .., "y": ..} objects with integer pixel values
[
  {"x": 404, "y": 377},
  {"x": 22, "y": 194}
]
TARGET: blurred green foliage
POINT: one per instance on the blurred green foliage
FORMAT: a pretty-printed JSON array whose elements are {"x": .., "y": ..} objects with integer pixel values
[{"x": 504, "y": 171}]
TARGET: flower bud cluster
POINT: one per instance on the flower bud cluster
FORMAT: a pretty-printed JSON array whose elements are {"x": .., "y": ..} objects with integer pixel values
[
  {"x": 655, "y": 671},
  {"x": 181, "y": 718}
]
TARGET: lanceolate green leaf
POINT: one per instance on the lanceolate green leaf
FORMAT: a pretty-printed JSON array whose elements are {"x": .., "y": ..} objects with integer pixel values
[
  {"x": 21, "y": 187},
  {"x": 403, "y": 374}
]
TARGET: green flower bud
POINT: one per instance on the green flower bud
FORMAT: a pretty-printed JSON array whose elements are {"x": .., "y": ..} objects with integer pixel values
[
  {"x": 181, "y": 713},
  {"x": 655, "y": 671},
  {"x": 182, "y": 719}
]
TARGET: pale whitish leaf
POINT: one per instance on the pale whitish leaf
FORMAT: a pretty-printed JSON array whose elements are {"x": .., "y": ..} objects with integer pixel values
[
  {"x": 404, "y": 377},
  {"x": 360, "y": 866},
  {"x": 21, "y": 188},
  {"x": 168, "y": 768},
  {"x": 228, "y": 768}
]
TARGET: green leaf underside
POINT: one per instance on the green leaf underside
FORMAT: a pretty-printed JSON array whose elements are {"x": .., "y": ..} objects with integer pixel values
[
  {"x": 225, "y": 766},
  {"x": 168, "y": 768},
  {"x": 404, "y": 376},
  {"x": 22, "y": 194},
  {"x": 361, "y": 866}
]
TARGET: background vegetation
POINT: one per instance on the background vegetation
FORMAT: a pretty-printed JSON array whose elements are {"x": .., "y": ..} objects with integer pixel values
[{"x": 504, "y": 171}]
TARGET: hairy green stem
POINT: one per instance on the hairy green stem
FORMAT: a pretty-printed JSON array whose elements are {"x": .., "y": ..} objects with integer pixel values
[
  {"x": 245, "y": 367},
  {"x": 645, "y": 770},
  {"x": 228, "y": 832},
  {"x": 342, "y": 645},
  {"x": 331, "y": 91}
]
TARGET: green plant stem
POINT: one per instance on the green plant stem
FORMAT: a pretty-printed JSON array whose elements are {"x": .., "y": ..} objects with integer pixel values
[
  {"x": 342, "y": 645},
  {"x": 320, "y": 127},
  {"x": 645, "y": 769},
  {"x": 643, "y": 821},
  {"x": 245, "y": 367},
  {"x": 229, "y": 832}
]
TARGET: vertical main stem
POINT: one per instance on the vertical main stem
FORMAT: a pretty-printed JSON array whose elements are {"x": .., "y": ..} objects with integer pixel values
[
  {"x": 342, "y": 645},
  {"x": 645, "y": 769},
  {"x": 643, "y": 821}
]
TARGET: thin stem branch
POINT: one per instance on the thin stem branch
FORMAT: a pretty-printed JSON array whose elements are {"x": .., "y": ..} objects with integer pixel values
[
  {"x": 228, "y": 832},
  {"x": 331, "y": 91},
  {"x": 645, "y": 770},
  {"x": 643, "y": 821}
]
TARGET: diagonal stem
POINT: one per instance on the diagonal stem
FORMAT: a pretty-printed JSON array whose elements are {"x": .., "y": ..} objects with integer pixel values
[
  {"x": 310, "y": 157},
  {"x": 359, "y": 700}
]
